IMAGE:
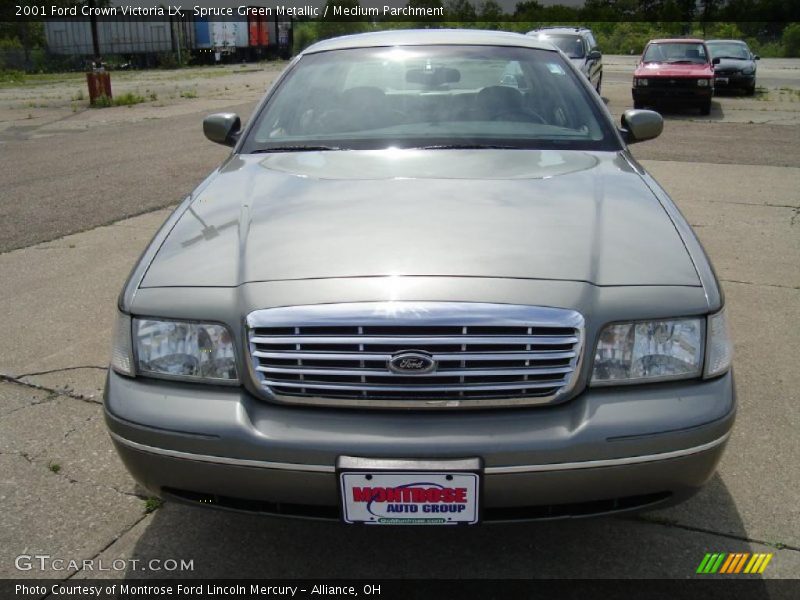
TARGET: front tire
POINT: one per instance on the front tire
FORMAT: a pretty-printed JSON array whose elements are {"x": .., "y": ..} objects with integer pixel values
[
  {"x": 705, "y": 108},
  {"x": 750, "y": 90}
]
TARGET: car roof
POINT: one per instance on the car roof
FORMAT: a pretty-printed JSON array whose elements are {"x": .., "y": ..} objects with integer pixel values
[
  {"x": 743, "y": 43},
  {"x": 420, "y": 37},
  {"x": 559, "y": 30},
  {"x": 677, "y": 40}
]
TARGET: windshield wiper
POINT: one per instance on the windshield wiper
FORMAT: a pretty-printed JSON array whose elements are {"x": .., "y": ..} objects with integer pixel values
[
  {"x": 294, "y": 149},
  {"x": 683, "y": 62}
]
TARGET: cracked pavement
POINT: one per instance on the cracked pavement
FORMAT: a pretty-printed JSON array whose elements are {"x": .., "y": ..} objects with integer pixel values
[{"x": 68, "y": 240}]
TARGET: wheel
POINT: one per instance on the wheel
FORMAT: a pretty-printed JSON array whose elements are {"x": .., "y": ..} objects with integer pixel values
[
  {"x": 750, "y": 90},
  {"x": 705, "y": 108}
]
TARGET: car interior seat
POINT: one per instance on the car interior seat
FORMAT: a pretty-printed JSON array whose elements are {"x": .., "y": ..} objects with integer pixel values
[{"x": 495, "y": 100}]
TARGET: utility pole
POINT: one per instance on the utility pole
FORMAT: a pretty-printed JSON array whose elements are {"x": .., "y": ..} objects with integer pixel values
[{"x": 93, "y": 24}]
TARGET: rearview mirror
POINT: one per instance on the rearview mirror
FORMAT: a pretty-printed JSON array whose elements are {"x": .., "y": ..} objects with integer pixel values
[
  {"x": 641, "y": 125},
  {"x": 756, "y": 57},
  {"x": 433, "y": 77},
  {"x": 595, "y": 55},
  {"x": 715, "y": 61},
  {"x": 222, "y": 128}
]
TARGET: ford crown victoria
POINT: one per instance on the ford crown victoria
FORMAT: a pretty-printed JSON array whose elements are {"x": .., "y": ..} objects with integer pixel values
[{"x": 413, "y": 295}]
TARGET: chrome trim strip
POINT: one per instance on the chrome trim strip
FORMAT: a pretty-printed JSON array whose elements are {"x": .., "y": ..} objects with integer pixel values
[
  {"x": 540, "y": 355},
  {"x": 413, "y": 464},
  {"x": 610, "y": 462},
  {"x": 391, "y": 340},
  {"x": 415, "y": 313},
  {"x": 222, "y": 460},
  {"x": 439, "y": 373},
  {"x": 443, "y": 387},
  {"x": 587, "y": 464}
]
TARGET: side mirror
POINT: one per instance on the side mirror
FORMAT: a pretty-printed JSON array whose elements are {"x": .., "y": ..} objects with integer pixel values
[
  {"x": 715, "y": 61},
  {"x": 641, "y": 125},
  {"x": 595, "y": 55},
  {"x": 223, "y": 128},
  {"x": 756, "y": 57}
]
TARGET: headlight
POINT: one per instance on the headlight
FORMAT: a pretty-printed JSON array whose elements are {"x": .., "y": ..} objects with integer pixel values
[
  {"x": 748, "y": 70},
  {"x": 640, "y": 82},
  {"x": 719, "y": 349},
  {"x": 702, "y": 82},
  {"x": 649, "y": 351},
  {"x": 184, "y": 350}
]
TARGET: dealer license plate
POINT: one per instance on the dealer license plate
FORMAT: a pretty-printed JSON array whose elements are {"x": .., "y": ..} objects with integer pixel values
[
  {"x": 722, "y": 80},
  {"x": 409, "y": 498}
]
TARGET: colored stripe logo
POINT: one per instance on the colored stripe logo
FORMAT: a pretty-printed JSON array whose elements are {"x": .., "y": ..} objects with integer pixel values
[{"x": 733, "y": 563}]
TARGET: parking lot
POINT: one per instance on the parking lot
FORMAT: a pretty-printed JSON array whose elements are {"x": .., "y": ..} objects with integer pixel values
[{"x": 83, "y": 191}]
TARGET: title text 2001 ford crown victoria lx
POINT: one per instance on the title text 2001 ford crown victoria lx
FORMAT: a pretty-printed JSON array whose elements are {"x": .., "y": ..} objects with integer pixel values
[{"x": 415, "y": 295}]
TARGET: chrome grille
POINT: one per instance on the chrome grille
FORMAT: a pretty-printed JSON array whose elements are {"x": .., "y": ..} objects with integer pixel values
[{"x": 485, "y": 354}]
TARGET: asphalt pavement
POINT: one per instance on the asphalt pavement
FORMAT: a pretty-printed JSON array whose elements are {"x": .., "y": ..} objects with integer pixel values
[{"x": 82, "y": 195}]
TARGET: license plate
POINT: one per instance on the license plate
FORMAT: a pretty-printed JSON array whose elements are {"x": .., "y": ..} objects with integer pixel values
[
  {"x": 723, "y": 80},
  {"x": 409, "y": 498}
]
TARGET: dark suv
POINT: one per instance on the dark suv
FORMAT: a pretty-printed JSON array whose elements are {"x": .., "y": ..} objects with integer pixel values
[{"x": 579, "y": 45}]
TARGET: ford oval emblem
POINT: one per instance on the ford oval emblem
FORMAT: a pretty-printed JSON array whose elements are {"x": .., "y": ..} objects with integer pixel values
[{"x": 411, "y": 363}]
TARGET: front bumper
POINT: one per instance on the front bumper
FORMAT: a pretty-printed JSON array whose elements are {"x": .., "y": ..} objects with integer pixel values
[
  {"x": 687, "y": 95},
  {"x": 734, "y": 80},
  {"x": 606, "y": 450}
]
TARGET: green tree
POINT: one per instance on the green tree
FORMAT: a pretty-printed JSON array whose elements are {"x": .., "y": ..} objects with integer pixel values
[
  {"x": 336, "y": 26},
  {"x": 461, "y": 10},
  {"x": 491, "y": 11},
  {"x": 790, "y": 39},
  {"x": 529, "y": 10},
  {"x": 424, "y": 23}
]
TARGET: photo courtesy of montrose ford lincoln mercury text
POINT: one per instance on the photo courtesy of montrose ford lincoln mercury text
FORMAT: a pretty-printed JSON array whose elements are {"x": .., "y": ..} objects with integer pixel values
[{"x": 420, "y": 291}]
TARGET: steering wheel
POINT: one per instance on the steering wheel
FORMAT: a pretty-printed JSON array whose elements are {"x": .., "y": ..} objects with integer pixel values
[{"x": 334, "y": 119}]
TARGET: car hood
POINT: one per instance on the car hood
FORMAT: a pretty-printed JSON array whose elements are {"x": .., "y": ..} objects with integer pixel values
[
  {"x": 673, "y": 70},
  {"x": 733, "y": 64},
  {"x": 572, "y": 216}
]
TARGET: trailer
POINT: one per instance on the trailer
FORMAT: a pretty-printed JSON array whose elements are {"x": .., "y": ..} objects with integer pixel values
[
  {"x": 120, "y": 36},
  {"x": 148, "y": 42}
]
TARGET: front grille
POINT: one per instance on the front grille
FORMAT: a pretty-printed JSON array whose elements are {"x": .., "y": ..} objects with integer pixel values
[
  {"x": 676, "y": 83},
  {"x": 484, "y": 354}
]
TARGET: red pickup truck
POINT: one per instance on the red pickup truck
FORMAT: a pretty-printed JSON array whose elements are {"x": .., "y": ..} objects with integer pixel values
[{"x": 677, "y": 71}]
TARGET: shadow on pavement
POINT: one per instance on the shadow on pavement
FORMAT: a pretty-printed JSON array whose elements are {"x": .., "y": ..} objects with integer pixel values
[
  {"x": 682, "y": 112},
  {"x": 227, "y": 545}
]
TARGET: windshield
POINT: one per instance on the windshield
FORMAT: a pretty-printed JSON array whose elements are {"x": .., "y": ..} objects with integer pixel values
[
  {"x": 729, "y": 50},
  {"x": 431, "y": 96},
  {"x": 571, "y": 45},
  {"x": 676, "y": 52}
]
